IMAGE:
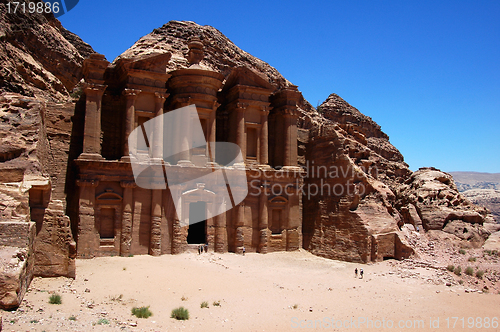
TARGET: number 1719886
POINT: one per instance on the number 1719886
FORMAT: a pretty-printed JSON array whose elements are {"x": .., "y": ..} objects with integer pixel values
[{"x": 32, "y": 7}]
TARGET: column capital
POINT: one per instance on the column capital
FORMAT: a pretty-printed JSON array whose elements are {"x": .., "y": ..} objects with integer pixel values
[
  {"x": 160, "y": 96},
  {"x": 265, "y": 109},
  {"x": 128, "y": 184},
  {"x": 131, "y": 93},
  {"x": 241, "y": 106},
  {"x": 87, "y": 183},
  {"x": 290, "y": 111},
  {"x": 90, "y": 88}
]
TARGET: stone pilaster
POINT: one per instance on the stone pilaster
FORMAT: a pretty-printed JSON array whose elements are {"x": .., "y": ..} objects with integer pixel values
[
  {"x": 88, "y": 238},
  {"x": 176, "y": 224},
  {"x": 240, "y": 129},
  {"x": 131, "y": 96},
  {"x": 155, "y": 239},
  {"x": 264, "y": 136},
  {"x": 127, "y": 217},
  {"x": 263, "y": 218},
  {"x": 92, "y": 133},
  {"x": 239, "y": 237},
  {"x": 290, "y": 117}
]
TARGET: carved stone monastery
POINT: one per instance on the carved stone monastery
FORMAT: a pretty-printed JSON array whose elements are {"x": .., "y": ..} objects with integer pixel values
[{"x": 117, "y": 217}]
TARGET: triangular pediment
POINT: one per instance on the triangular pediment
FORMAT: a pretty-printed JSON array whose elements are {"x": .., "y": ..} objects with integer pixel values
[{"x": 247, "y": 77}]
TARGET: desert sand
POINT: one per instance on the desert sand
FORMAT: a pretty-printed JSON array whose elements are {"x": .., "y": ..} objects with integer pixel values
[{"x": 283, "y": 291}]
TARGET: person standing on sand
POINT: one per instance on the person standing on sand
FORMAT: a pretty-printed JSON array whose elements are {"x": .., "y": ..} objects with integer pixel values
[
  {"x": 361, "y": 274},
  {"x": 244, "y": 251},
  {"x": 355, "y": 272}
]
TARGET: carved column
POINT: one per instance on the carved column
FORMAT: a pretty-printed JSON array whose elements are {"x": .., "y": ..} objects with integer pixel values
[
  {"x": 158, "y": 128},
  {"x": 239, "y": 238},
  {"x": 92, "y": 133},
  {"x": 264, "y": 137},
  {"x": 263, "y": 218},
  {"x": 220, "y": 228},
  {"x": 155, "y": 239},
  {"x": 176, "y": 225},
  {"x": 290, "y": 157},
  {"x": 211, "y": 133},
  {"x": 240, "y": 129},
  {"x": 88, "y": 238},
  {"x": 127, "y": 217},
  {"x": 131, "y": 96}
]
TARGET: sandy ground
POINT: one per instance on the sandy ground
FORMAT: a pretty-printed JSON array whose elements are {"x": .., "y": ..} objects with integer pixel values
[{"x": 285, "y": 291}]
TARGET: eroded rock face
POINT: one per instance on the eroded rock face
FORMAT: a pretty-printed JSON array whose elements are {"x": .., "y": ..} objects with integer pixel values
[
  {"x": 38, "y": 57},
  {"x": 440, "y": 206},
  {"x": 16, "y": 261},
  {"x": 352, "y": 216}
]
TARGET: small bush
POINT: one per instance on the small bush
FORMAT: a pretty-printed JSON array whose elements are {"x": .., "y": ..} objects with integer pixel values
[
  {"x": 450, "y": 268},
  {"x": 469, "y": 271},
  {"x": 295, "y": 306},
  {"x": 458, "y": 271},
  {"x": 142, "y": 312},
  {"x": 33, "y": 321},
  {"x": 462, "y": 251},
  {"x": 183, "y": 298},
  {"x": 480, "y": 274},
  {"x": 103, "y": 321},
  {"x": 472, "y": 259},
  {"x": 180, "y": 313},
  {"x": 204, "y": 304},
  {"x": 216, "y": 304},
  {"x": 461, "y": 282},
  {"x": 55, "y": 299},
  {"x": 72, "y": 318}
]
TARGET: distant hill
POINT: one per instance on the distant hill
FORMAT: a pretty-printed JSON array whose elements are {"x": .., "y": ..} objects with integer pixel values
[{"x": 480, "y": 188}]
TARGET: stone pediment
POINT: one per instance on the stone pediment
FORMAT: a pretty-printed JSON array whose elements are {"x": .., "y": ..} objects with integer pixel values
[
  {"x": 247, "y": 77},
  {"x": 154, "y": 62}
]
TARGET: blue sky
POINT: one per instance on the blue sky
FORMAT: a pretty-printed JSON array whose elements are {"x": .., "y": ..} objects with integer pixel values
[{"x": 427, "y": 71}]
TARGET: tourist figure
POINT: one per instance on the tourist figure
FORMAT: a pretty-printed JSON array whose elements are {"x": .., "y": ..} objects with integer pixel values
[
  {"x": 206, "y": 247},
  {"x": 244, "y": 251},
  {"x": 355, "y": 272},
  {"x": 361, "y": 274}
]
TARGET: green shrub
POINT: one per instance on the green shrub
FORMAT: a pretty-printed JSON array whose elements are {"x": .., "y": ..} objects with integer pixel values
[
  {"x": 469, "y": 271},
  {"x": 472, "y": 259},
  {"x": 450, "y": 268},
  {"x": 180, "y": 313},
  {"x": 33, "y": 321},
  {"x": 216, "y": 304},
  {"x": 204, "y": 304},
  {"x": 55, "y": 299},
  {"x": 480, "y": 274},
  {"x": 142, "y": 312},
  {"x": 461, "y": 282},
  {"x": 462, "y": 251},
  {"x": 72, "y": 318},
  {"x": 103, "y": 321},
  {"x": 458, "y": 271}
]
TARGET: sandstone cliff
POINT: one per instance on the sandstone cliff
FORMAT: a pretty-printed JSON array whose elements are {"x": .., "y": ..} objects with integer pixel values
[{"x": 38, "y": 57}]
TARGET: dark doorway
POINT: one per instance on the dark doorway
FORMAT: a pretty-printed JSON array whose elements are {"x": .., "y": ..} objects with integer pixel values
[{"x": 197, "y": 232}]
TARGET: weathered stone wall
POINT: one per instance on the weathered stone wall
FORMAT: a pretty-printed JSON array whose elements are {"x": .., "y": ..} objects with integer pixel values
[{"x": 16, "y": 262}]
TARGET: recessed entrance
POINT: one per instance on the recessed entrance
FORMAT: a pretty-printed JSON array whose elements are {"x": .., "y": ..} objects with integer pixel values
[{"x": 197, "y": 232}]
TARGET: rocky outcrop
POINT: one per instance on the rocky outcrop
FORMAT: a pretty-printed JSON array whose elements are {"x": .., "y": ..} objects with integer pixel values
[
  {"x": 38, "y": 57},
  {"x": 16, "y": 261},
  {"x": 348, "y": 204},
  {"x": 55, "y": 249},
  {"x": 440, "y": 206},
  {"x": 489, "y": 198}
]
